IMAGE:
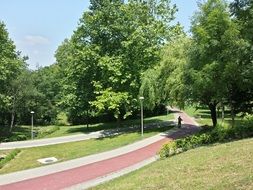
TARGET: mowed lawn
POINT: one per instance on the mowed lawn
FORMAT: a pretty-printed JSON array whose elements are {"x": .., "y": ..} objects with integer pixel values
[
  {"x": 58, "y": 131},
  {"x": 27, "y": 158},
  {"x": 203, "y": 116},
  {"x": 222, "y": 166}
]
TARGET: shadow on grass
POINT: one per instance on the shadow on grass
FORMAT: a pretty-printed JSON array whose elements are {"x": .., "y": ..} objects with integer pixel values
[
  {"x": 148, "y": 128},
  {"x": 91, "y": 128},
  {"x": 125, "y": 126},
  {"x": 18, "y": 133}
]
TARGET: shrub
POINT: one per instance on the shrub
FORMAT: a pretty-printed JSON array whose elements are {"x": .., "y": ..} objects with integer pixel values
[
  {"x": 221, "y": 133},
  {"x": 18, "y": 137},
  {"x": 168, "y": 149},
  {"x": 9, "y": 157},
  {"x": 62, "y": 119}
]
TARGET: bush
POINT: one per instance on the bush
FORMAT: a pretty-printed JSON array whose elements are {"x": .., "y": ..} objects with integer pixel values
[
  {"x": 62, "y": 119},
  {"x": 181, "y": 145},
  {"x": 9, "y": 157},
  {"x": 221, "y": 133},
  {"x": 168, "y": 149},
  {"x": 18, "y": 137}
]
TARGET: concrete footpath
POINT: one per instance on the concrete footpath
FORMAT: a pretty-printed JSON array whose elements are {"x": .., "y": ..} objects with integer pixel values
[
  {"x": 69, "y": 138},
  {"x": 50, "y": 141},
  {"x": 91, "y": 170}
]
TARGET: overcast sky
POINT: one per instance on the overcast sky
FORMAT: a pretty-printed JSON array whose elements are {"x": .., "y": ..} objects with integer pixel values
[{"x": 38, "y": 27}]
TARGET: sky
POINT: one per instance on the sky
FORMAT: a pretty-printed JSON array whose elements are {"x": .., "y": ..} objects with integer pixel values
[{"x": 38, "y": 27}]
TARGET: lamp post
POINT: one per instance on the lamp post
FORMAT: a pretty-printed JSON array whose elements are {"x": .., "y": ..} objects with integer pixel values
[
  {"x": 32, "y": 112},
  {"x": 141, "y": 100}
]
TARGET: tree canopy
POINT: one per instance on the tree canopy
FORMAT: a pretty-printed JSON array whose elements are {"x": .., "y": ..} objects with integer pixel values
[{"x": 113, "y": 45}]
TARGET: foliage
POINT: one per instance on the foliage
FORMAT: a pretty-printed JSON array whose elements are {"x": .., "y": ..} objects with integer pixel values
[
  {"x": 164, "y": 83},
  {"x": 11, "y": 65},
  {"x": 113, "y": 45},
  {"x": 44, "y": 132},
  {"x": 221, "y": 133},
  {"x": 242, "y": 11},
  {"x": 214, "y": 70},
  {"x": 62, "y": 119}
]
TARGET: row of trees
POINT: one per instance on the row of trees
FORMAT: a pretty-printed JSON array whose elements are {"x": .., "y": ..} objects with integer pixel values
[
  {"x": 213, "y": 67},
  {"x": 122, "y": 50}
]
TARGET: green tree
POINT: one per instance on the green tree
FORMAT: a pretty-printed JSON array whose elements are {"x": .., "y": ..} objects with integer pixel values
[
  {"x": 23, "y": 94},
  {"x": 215, "y": 51},
  {"x": 164, "y": 84},
  {"x": 11, "y": 65},
  {"x": 242, "y": 12},
  {"x": 113, "y": 45},
  {"x": 47, "y": 82}
]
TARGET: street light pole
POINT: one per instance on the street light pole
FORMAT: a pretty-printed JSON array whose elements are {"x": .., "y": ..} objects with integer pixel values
[
  {"x": 141, "y": 100},
  {"x": 32, "y": 112}
]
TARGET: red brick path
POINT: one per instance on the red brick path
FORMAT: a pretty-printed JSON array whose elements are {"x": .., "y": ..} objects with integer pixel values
[{"x": 92, "y": 171}]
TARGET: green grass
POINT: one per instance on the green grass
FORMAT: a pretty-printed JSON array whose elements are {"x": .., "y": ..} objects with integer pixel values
[
  {"x": 58, "y": 131},
  {"x": 27, "y": 158},
  {"x": 203, "y": 116},
  {"x": 223, "y": 166},
  {"x": 71, "y": 130}
]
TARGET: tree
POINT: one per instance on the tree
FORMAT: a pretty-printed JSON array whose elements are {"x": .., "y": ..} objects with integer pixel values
[
  {"x": 114, "y": 43},
  {"x": 23, "y": 94},
  {"x": 215, "y": 51},
  {"x": 242, "y": 12},
  {"x": 47, "y": 82},
  {"x": 11, "y": 65},
  {"x": 165, "y": 82}
]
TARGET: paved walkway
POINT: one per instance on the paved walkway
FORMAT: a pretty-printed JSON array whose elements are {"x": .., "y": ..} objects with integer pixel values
[
  {"x": 70, "y": 138},
  {"x": 82, "y": 171}
]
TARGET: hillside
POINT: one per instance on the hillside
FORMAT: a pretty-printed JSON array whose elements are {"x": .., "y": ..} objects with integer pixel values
[{"x": 221, "y": 166}]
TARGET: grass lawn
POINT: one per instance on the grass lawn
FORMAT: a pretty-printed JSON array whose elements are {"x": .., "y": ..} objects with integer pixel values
[
  {"x": 58, "y": 131},
  {"x": 71, "y": 130},
  {"x": 222, "y": 166},
  {"x": 203, "y": 116},
  {"x": 27, "y": 158}
]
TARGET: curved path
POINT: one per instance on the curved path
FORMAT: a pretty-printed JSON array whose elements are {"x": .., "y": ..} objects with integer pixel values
[
  {"x": 50, "y": 141},
  {"x": 66, "y": 139},
  {"x": 72, "y": 175}
]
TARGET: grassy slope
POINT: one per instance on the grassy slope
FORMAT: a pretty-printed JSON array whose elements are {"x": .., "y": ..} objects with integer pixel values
[
  {"x": 224, "y": 166},
  {"x": 67, "y": 151}
]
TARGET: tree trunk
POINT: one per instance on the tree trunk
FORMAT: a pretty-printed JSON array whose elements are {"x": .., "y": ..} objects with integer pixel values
[
  {"x": 12, "y": 120},
  {"x": 87, "y": 119},
  {"x": 118, "y": 121},
  {"x": 212, "y": 107},
  {"x": 222, "y": 112},
  {"x": 13, "y": 114}
]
